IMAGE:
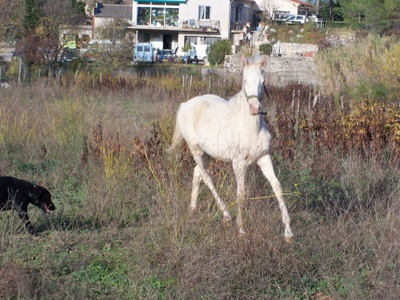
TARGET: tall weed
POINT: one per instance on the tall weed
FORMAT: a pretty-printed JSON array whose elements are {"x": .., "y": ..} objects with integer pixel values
[
  {"x": 343, "y": 69},
  {"x": 16, "y": 128},
  {"x": 65, "y": 130}
]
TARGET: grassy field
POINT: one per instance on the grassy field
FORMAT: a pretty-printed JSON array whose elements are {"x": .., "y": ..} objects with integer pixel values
[{"x": 122, "y": 229}]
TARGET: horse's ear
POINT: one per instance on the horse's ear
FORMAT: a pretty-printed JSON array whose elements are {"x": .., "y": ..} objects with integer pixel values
[
  {"x": 243, "y": 61},
  {"x": 263, "y": 61}
]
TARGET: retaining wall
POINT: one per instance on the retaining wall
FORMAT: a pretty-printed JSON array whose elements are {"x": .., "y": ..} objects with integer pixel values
[{"x": 280, "y": 70}]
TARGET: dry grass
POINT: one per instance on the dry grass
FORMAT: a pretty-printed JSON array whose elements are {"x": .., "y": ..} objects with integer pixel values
[
  {"x": 367, "y": 68},
  {"x": 123, "y": 230}
]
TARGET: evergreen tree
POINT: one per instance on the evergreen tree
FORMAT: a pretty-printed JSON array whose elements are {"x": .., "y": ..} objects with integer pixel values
[{"x": 32, "y": 15}]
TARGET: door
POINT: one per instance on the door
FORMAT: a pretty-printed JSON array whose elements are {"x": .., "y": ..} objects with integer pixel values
[{"x": 167, "y": 41}]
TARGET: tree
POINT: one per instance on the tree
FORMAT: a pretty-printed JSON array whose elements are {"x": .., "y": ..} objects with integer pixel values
[
  {"x": 218, "y": 50},
  {"x": 10, "y": 19},
  {"x": 325, "y": 10},
  {"x": 317, "y": 7},
  {"x": 43, "y": 23},
  {"x": 370, "y": 11},
  {"x": 391, "y": 9},
  {"x": 268, "y": 8},
  {"x": 32, "y": 15},
  {"x": 117, "y": 52}
]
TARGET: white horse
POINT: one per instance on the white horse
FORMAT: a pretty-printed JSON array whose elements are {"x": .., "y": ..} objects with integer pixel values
[{"x": 231, "y": 131}]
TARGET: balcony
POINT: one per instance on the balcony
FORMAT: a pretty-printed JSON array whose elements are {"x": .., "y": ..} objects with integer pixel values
[
  {"x": 202, "y": 25},
  {"x": 238, "y": 26},
  {"x": 212, "y": 26}
]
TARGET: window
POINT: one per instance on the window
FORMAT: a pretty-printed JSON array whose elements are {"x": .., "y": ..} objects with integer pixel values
[
  {"x": 282, "y": 14},
  {"x": 210, "y": 40},
  {"x": 191, "y": 40},
  {"x": 157, "y": 15},
  {"x": 204, "y": 12},
  {"x": 196, "y": 40}
]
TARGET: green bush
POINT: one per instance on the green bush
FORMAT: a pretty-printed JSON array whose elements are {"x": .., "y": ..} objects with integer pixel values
[
  {"x": 217, "y": 52},
  {"x": 266, "y": 49}
]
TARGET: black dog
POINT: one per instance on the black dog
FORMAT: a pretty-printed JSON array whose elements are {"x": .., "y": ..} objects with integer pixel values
[{"x": 16, "y": 193}]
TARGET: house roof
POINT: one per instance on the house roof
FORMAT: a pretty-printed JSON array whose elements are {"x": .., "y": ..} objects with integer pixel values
[
  {"x": 113, "y": 11},
  {"x": 299, "y": 2},
  {"x": 162, "y": 1}
]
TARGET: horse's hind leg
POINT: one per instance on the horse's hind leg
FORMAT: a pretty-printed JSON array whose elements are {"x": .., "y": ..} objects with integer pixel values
[
  {"x": 265, "y": 163},
  {"x": 195, "y": 187},
  {"x": 200, "y": 169}
]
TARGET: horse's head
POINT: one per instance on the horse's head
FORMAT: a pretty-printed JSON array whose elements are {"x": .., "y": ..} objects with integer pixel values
[{"x": 253, "y": 83}]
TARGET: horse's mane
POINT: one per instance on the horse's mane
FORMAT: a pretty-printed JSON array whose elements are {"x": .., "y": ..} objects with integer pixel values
[{"x": 233, "y": 101}]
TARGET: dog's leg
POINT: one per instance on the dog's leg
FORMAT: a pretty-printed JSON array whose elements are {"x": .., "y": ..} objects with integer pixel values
[{"x": 25, "y": 218}]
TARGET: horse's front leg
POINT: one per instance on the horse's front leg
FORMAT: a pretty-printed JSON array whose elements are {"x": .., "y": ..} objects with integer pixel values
[
  {"x": 265, "y": 163},
  {"x": 240, "y": 169}
]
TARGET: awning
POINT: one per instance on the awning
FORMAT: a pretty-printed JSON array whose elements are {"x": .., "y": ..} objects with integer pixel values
[{"x": 161, "y": 1}]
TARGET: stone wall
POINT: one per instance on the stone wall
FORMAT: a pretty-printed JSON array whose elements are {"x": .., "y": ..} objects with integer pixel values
[
  {"x": 280, "y": 70},
  {"x": 294, "y": 50}
]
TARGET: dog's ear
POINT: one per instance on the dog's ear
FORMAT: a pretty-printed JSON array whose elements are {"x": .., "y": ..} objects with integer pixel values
[{"x": 37, "y": 192}]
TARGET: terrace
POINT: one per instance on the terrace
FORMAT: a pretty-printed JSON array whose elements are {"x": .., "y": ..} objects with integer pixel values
[{"x": 165, "y": 23}]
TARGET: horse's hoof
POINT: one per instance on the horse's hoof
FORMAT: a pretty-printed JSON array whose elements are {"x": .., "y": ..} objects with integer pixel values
[
  {"x": 289, "y": 239},
  {"x": 227, "y": 218}
]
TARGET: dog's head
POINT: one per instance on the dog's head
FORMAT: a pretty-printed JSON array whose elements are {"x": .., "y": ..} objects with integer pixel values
[{"x": 41, "y": 197}]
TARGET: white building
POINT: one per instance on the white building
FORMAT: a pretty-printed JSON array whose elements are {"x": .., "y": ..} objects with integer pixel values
[{"x": 169, "y": 24}]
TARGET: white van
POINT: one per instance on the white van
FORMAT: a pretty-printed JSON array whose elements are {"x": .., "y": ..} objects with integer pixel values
[
  {"x": 198, "y": 53},
  {"x": 143, "y": 52}
]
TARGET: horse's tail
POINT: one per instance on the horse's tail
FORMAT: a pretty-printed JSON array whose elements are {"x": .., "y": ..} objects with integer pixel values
[{"x": 176, "y": 139}]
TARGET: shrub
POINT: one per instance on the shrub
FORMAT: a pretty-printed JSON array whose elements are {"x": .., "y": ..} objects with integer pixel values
[
  {"x": 391, "y": 68},
  {"x": 13, "y": 69},
  {"x": 359, "y": 67},
  {"x": 266, "y": 49},
  {"x": 218, "y": 51}
]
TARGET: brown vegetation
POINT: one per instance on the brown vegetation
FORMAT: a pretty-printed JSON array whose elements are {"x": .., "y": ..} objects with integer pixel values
[{"x": 123, "y": 229}]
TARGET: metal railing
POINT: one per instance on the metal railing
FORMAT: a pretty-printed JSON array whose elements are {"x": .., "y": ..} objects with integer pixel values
[{"x": 202, "y": 25}]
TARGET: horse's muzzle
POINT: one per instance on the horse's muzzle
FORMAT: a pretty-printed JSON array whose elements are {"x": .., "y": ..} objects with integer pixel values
[{"x": 255, "y": 108}]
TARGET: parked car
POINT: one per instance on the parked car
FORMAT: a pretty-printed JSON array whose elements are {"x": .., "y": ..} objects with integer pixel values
[
  {"x": 182, "y": 59},
  {"x": 164, "y": 55},
  {"x": 89, "y": 55},
  {"x": 283, "y": 19},
  {"x": 318, "y": 21},
  {"x": 68, "y": 55},
  {"x": 297, "y": 20},
  {"x": 95, "y": 46}
]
